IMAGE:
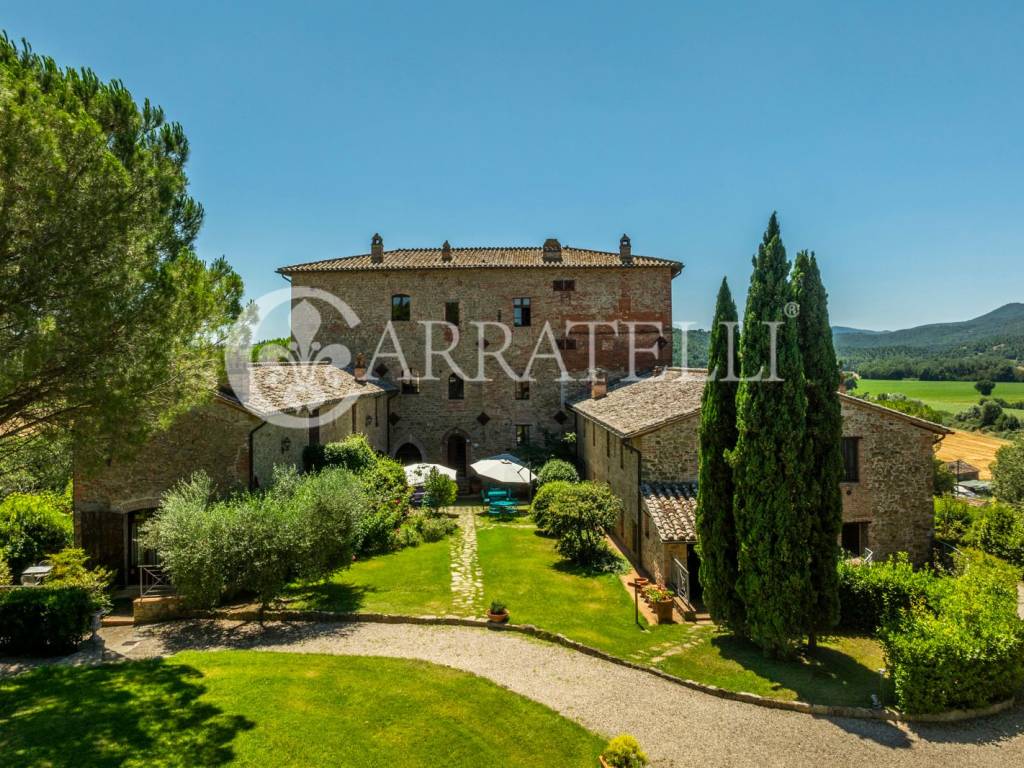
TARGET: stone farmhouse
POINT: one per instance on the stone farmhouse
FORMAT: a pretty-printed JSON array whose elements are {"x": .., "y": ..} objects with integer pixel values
[
  {"x": 424, "y": 410},
  {"x": 413, "y": 403},
  {"x": 642, "y": 439}
]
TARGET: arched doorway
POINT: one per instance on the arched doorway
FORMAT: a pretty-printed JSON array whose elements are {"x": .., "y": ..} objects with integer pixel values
[
  {"x": 455, "y": 452},
  {"x": 408, "y": 453}
]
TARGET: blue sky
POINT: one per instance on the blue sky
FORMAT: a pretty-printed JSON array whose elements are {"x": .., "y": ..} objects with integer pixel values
[{"x": 888, "y": 136}]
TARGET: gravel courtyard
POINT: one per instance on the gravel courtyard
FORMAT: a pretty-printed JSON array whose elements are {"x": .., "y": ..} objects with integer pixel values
[{"x": 677, "y": 726}]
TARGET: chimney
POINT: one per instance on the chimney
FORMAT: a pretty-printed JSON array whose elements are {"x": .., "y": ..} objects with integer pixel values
[
  {"x": 377, "y": 249},
  {"x": 446, "y": 251},
  {"x": 359, "y": 369},
  {"x": 598, "y": 384},
  {"x": 552, "y": 250},
  {"x": 625, "y": 250}
]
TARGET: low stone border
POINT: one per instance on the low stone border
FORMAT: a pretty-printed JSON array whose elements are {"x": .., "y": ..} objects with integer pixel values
[{"x": 826, "y": 710}]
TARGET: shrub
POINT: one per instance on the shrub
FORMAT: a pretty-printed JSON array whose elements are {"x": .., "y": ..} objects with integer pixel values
[
  {"x": 953, "y": 518},
  {"x": 1008, "y": 472},
  {"x": 872, "y": 595},
  {"x": 998, "y": 529},
  {"x": 540, "y": 509},
  {"x": 353, "y": 453},
  {"x": 964, "y": 649},
  {"x": 387, "y": 505},
  {"x": 433, "y": 528},
  {"x": 439, "y": 491},
  {"x": 943, "y": 481},
  {"x": 69, "y": 570},
  {"x": 579, "y": 516},
  {"x": 34, "y": 525},
  {"x": 624, "y": 752},
  {"x": 985, "y": 387},
  {"x": 256, "y": 543},
  {"x": 406, "y": 536},
  {"x": 42, "y": 621},
  {"x": 557, "y": 470},
  {"x": 5, "y": 572}
]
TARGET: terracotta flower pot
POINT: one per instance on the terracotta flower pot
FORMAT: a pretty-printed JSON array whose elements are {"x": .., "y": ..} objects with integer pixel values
[
  {"x": 641, "y": 582},
  {"x": 663, "y": 610},
  {"x": 497, "y": 618}
]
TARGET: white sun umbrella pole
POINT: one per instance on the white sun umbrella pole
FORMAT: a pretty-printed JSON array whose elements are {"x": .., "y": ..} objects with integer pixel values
[{"x": 417, "y": 474}]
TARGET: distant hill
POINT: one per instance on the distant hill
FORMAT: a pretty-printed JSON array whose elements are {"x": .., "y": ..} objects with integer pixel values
[
  {"x": 996, "y": 326},
  {"x": 989, "y": 346}
]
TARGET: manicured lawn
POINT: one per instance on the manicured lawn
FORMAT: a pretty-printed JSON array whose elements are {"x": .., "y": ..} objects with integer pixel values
[
  {"x": 252, "y": 708},
  {"x": 949, "y": 396},
  {"x": 522, "y": 569},
  {"x": 414, "y": 580}
]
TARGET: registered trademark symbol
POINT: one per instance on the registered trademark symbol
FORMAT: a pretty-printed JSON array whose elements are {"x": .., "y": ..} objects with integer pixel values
[{"x": 792, "y": 309}]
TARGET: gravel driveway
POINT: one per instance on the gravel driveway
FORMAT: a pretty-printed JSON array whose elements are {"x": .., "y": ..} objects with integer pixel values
[{"x": 676, "y": 725}]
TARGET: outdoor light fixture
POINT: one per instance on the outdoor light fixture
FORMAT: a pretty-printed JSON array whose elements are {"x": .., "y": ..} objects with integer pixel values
[{"x": 286, "y": 444}]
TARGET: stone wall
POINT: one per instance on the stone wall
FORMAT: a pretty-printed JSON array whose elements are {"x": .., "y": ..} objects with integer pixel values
[
  {"x": 489, "y": 412},
  {"x": 656, "y": 555},
  {"x": 213, "y": 437},
  {"x": 607, "y": 458},
  {"x": 894, "y": 494},
  {"x": 670, "y": 454}
]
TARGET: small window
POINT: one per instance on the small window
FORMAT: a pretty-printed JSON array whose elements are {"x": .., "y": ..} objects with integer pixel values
[
  {"x": 608, "y": 444},
  {"x": 522, "y": 434},
  {"x": 451, "y": 312},
  {"x": 401, "y": 307},
  {"x": 563, "y": 285},
  {"x": 522, "y": 390},
  {"x": 622, "y": 461},
  {"x": 376, "y": 411},
  {"x": 593, "y": 435},
  {"x": 566, "y": 343},
  {"x": 851, "y": 459},
  {"x": 456, "y": 388},
  {"x": 520, "y": 312},
  {"x": 411, "y": 385}
]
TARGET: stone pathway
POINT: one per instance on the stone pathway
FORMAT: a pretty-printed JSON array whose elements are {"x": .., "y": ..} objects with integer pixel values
[
  {"x": 467, "y": 578},
  {"x": 676, "y": 725}
]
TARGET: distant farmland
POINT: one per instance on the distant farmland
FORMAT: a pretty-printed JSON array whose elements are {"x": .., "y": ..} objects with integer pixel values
[{"x": 949, "y": 396}]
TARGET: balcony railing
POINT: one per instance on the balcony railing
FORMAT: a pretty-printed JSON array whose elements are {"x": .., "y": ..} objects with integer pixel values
[
  {"x": 680, "y": 579},
  {"x": 153, "y": 580}
]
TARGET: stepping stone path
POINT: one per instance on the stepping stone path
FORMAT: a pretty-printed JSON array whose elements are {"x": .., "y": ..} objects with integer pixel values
[{"x": 467, "y": 578}]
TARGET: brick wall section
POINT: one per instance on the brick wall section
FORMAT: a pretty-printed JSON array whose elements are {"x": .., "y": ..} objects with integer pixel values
[
  {"x": 895, "y": 490},
  {"x": 430, "y": 418}
]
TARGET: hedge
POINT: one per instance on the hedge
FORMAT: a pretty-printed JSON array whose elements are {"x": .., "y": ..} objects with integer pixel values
[
  {"x": 44, "y": 621},
  {"x": 555, "y": 470},
  {"x": 964, "y": 648},
  {"x": 873, "y": 594},
  {"x": 32, "y": 526}
]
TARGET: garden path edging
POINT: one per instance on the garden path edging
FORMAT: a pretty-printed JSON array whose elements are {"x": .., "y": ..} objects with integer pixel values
[{"x": 819, "y": 710}]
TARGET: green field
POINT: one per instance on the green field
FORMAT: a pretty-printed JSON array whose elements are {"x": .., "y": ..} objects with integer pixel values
[{"x": 949, "y": 396}]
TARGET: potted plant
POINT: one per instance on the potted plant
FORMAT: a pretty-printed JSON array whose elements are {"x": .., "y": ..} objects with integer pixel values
[
  {"x": 660, "y": 600},
  {"x": 641, "y": 582},
  {"x": 624, "y": 752},
  {"x": 498, "y": 613}
]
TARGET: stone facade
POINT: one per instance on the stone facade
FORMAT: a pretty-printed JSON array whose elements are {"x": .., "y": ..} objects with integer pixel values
[
  {"x": 892, "y": 496},
  {"x": 485, "y": 420},
  {"x": 894, "y": 492}
]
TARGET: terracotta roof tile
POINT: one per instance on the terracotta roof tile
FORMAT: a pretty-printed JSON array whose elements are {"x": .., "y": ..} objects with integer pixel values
[
  {"x": 631, "y": 408},
  {"x": 504, "y": 257},
  {"x": 673, "y": 509}
]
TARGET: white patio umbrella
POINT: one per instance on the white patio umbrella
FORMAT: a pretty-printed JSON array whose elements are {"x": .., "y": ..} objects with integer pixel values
[
  {"x": 417, "y": 474},
  {"x": 504, "y": 468}
]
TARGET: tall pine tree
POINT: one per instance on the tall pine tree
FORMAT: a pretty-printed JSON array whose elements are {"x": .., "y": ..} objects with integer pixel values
[
  {"x": 823, "y": 458},
  {"x": 771, "y": 522},
  {"x": 716, "y": 527}
]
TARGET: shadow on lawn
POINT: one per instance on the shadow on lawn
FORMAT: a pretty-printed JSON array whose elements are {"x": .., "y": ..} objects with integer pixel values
[
  {"x": 107, "y": 715},
  {"x": 332, "y": 596}
]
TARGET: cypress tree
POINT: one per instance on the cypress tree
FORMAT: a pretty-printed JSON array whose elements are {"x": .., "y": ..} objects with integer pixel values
[
  {"x": 823, "y": 459},
  {"x": 716, "y": 528},
  {"x": 771, "y": 523}
]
